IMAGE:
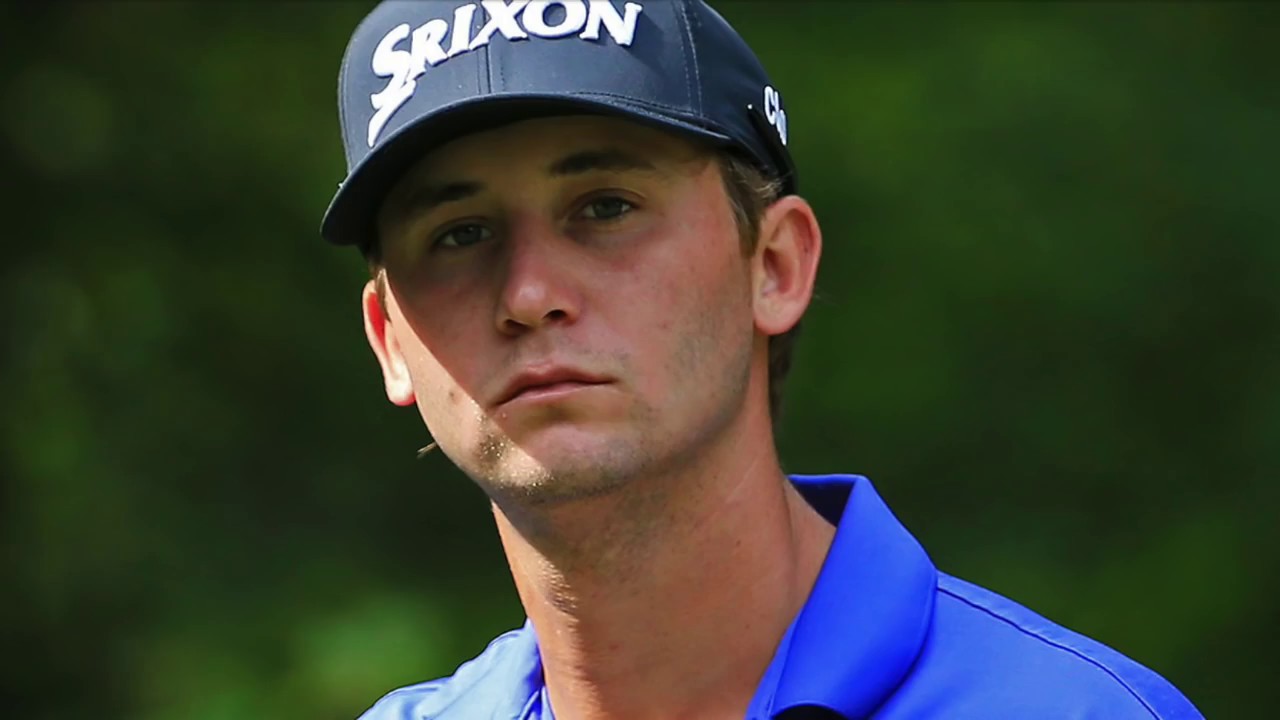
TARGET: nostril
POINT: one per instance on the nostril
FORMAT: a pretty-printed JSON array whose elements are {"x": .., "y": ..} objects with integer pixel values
[{"x": 556, "y": 315}]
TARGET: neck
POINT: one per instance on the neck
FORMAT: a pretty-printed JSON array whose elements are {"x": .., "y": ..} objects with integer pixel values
[{"x": 667, "y": 599}]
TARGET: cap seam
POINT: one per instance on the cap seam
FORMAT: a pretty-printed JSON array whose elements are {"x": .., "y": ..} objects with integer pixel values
[
  {"x": 497, "y": 74},
  {"x": 343, "y": 123},
  {"x": 484, "y": 71},
  {"x": 691, "y": 49},
  {"x": 676, "y": 113}
]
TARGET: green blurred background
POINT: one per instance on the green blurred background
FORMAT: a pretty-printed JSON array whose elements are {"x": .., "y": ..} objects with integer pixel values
[{"x": 1048, "y": 327}]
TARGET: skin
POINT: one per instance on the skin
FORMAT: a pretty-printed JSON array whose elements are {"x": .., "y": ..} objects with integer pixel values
[{"x": 653, "y": 538}]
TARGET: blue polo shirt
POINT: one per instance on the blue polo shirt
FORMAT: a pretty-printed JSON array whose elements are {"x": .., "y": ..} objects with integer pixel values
[{"x": 883, "y": 635}]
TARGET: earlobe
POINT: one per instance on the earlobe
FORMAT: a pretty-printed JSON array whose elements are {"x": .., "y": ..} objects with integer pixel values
[
  {"x": 785, "y": 264},
  {"x": 382, "y": 340}
]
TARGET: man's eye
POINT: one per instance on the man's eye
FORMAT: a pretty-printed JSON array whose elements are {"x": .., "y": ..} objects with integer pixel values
[
  {"x": 607, "y": 208},
  {"x": 462, "y": 236}
]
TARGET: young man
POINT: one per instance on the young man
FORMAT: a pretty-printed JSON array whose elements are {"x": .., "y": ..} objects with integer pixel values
[{"x": 589, "y": 261}]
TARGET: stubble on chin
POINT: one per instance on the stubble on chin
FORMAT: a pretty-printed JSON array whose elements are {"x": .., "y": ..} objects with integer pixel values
[{"x": 510, "y": 474}]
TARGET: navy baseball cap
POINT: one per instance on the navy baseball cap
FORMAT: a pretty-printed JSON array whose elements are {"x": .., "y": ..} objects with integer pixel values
[{"x": 419, "y": 73}]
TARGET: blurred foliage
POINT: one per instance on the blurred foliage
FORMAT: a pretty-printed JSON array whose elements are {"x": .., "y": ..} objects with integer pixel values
[{"x": 1048, "y": 328}]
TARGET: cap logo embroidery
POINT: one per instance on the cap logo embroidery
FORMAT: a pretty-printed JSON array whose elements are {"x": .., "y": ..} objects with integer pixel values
[
  {"x": 774, "y": 113},
  {"x": 515, "y": 20}
]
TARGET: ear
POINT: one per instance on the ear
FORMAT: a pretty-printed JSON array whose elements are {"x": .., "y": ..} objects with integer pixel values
[
  {"x": 785, "y": 264},
  {"x": 382, "y": 339}
]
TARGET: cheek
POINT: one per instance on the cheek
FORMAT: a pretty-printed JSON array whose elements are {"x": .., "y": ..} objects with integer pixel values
[
  {"x": 442, "y": 322},
  {"x": 713, "y": 273},
  {"x": 434, "y": 385},
  {"x": 435, "y": 348},
  {"x": 447, "y": 408},
  {"x": 701, "y": 302},
  {"x": 441, "y": 378}
]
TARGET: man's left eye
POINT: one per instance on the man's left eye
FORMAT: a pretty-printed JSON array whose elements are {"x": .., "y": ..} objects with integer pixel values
[{"x": 606, "y": 208}]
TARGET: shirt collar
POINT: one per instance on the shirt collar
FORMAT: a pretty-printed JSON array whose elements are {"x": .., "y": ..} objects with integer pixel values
[
  {"x": 865, "y": 621},
  {"x": 855, "y": 639},
  {"x": 518, "y": 671}
]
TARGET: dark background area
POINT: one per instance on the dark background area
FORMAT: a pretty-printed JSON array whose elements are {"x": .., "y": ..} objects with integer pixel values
[{"x": 1048, "y": 329}]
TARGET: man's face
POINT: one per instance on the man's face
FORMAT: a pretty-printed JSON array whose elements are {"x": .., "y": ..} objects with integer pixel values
[{"x": 570, "y": 304}]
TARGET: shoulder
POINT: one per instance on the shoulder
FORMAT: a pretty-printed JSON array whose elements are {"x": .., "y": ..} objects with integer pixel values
[
  {"x": 476, "y": 688},
  {"x": 986, "y": 648}
]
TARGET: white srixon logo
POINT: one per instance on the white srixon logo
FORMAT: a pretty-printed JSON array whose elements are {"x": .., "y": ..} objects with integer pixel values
[
  {"x": 774, "y": 113},
  {"x": 435, "y": 41}
]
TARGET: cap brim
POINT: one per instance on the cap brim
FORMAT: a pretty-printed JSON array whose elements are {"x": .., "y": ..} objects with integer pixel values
[{"x": 350, "y": 218}]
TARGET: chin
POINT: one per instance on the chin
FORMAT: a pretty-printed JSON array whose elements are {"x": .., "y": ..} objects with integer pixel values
[{"x": 554, "y": 470}]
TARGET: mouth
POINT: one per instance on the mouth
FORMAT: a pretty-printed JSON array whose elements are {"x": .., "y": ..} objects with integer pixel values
[{"x": 547, "y": 385}]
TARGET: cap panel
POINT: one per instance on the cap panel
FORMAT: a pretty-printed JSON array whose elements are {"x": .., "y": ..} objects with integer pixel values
[{"x": 640, "y": 60}]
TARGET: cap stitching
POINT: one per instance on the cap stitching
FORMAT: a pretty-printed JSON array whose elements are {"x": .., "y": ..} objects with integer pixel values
[
  {"x": 342, "y": 106},
  {"x": 644, "y": 103},
  {"x": 497, "y": 69},
  {"x": 484, "y": 83},
  {"x": 695, "y": 88}
]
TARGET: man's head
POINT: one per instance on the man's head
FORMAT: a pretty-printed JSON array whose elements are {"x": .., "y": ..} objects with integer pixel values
[{"x": 574, "y": 286}]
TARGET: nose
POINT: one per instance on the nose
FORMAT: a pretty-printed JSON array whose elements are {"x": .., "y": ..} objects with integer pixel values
[{"x": 537, "y": 288}]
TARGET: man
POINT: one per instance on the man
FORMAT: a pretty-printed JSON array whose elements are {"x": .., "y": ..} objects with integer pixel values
[{"x": 589, "y": 262}]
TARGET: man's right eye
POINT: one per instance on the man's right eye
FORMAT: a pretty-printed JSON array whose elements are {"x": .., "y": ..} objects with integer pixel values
[{"x": 460, "y": 236}]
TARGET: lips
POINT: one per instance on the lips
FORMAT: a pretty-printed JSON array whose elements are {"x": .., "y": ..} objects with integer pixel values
[{"x": 547, "y": 381}]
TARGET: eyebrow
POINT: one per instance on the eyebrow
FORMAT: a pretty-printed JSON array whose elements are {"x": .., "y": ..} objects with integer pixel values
[
  {"x": 607, "y": 160},
  {"x": 429, "y": 197}
]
